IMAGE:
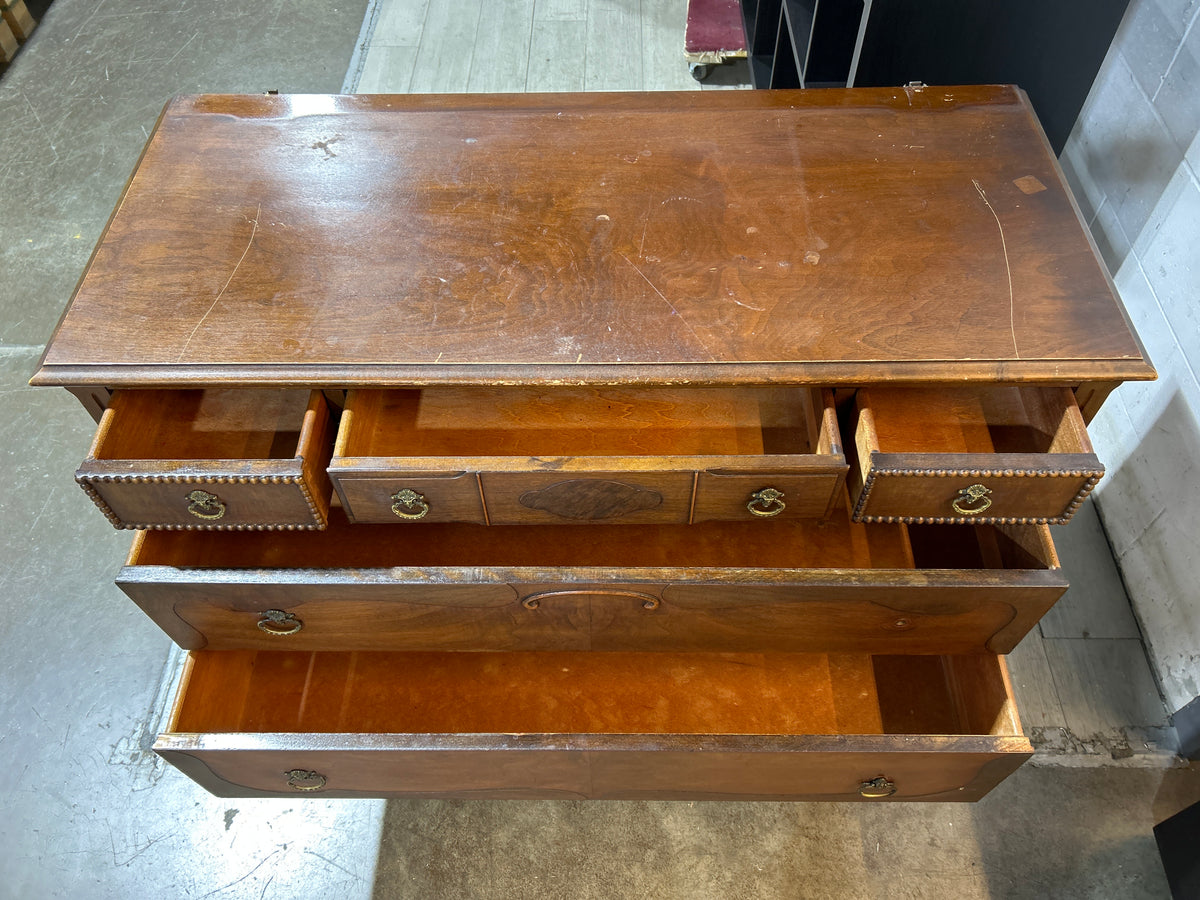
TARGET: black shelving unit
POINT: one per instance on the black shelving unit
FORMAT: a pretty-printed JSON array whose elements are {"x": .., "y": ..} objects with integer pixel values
[
  {"x": 801, "y": 43},
  {"x": 1051, "y": 48}
]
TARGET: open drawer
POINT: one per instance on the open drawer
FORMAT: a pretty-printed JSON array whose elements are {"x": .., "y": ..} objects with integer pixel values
[
  {"x": 595, "y": 725},
  {"x": 586, "y": 455},
  {"x": 211, "y": 459},
  {"x": 970, "y": 454},
  {"x": 806, "y": 585}
]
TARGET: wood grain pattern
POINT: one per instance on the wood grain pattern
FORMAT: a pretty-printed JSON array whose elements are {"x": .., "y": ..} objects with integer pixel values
[
  {"x": 916, "y": 450},
  {"x": 732, "y": 754},
  {"x": 930, "y": 768},
  {"x": 261, "y": 454},
  {"x": 667, "y": 455},
  {"x": 703, "y": 236},
  {"x": 795, "y": 586},
  {"x": 512, "y": 294}
]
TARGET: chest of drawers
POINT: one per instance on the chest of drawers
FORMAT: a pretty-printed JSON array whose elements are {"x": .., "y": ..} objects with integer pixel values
[{"x": 642, "y": 445}]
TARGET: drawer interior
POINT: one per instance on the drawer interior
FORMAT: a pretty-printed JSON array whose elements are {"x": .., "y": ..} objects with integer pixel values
[
  {"x": 532, "y": 422},
  {"x": 981, "y": 547},
  {"x": 984, "y": 419},
  {"x": 798, "y": 544},
  {"x": 594, "y": 693},
  {"x": 201, "y": 424},
  {"x": 801, "y": 544}
]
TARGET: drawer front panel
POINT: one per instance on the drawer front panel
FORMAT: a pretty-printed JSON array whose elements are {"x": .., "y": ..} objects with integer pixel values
[
  {"x": 658, "y": 767},
  {"x": 959, "y": 488},
  {"x": 974, "y": 454},
  {"x": 263, "y": 497},
  {"x": 658, "y": 498},
  {"x": 587, "y": 725},
  {"x": 764, "y": 496},
  {"x": 358, "y": 617},
  {"x": 886, "y": 612},
  {"x": 450, "y": 498},
  {"x": 567, "y": 455},
  {"x": 915, "y": 613},
  {"x": 211, "y": 459}
]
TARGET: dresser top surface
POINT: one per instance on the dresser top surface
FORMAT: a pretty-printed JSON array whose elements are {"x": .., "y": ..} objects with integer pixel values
[{"x": 736, "y": 236}]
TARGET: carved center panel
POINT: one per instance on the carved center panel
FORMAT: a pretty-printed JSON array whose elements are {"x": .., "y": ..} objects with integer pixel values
[{"x": 590, "y": 498}]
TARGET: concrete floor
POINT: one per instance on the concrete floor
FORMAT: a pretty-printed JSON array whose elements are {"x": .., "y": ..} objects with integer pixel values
[{"x": 88, "y": 812}]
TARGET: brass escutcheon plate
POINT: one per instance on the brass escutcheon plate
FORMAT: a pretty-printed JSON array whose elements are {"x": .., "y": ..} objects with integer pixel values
[
  {"x": 972, "y": 500},
  {"x": 766, "y": 503},
  {"x": 204, "y": 505},
  {"x": 279, "y": 623},
  {"x": 408, "y": 504}
]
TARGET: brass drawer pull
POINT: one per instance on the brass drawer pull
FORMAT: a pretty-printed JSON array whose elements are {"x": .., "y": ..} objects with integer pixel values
[
  {"x": 649, "y": 601},
  {"x": 408, "y": 504},
  {"x": 876, "y": 788},
  {"x": 974, "y": 494},
  {"x": 305, "y": 780},
  {"x": 279, "y": 623},
  {"x": 204, "y": 505},
  {"x": 766, "y": 503}
]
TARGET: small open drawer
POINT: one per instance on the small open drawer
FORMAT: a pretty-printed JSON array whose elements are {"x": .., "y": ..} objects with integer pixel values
[
  {"x": 969, "y": 454},
  {"x": 802, "y": 586},
  {"x": 587, "y": 455},
  {"x": 595, "y": 725},
  {"x": 211, "y": 459}
]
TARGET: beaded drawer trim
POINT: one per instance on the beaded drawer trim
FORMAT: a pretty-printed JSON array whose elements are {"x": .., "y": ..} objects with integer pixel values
[
  {"x": 318, "y": 523},
  {"x": 1092, "y": 477}
]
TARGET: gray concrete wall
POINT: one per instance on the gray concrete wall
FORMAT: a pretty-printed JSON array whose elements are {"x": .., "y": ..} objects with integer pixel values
[{"x": 1134, "y": 162}]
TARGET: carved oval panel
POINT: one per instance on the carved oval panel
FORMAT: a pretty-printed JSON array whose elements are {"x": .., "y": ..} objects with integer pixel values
[{"x": 591, "y": 498}]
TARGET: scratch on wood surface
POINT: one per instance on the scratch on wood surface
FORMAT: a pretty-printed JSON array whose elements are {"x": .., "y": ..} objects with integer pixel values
[
  {"x": 1012, "y": 324},
  {"x": 671, "y": 305},
  {"x": 748, "y": 306},
  {"x": 221, "y": 293}
]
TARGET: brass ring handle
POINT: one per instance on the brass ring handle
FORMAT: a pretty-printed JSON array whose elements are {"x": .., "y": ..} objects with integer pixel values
[
  {"x": 279, "y": 623},
  {"x": 973, "y": 494},
  {"x": 877, "y": 788},
  {"x": 533, "y": 601},
  {"x": 766, "y": 503},
  {"x": 305, "y": 780},
  {"x": 204, "y": 505},
  {"x": 404, "y": 503}
]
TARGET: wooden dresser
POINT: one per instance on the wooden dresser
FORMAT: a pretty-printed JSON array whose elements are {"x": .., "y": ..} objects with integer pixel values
[{"x": 723, "y": 429}]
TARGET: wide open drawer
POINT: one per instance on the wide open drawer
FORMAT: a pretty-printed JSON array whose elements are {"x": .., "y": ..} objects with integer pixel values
[
  {"x": 805, "y": 585},
  {"x": 587, "y": 455},
  {"x": 595, "y": 725},
  {"x": 970, "y": 454},
  {"x": 211, "y": 459}
]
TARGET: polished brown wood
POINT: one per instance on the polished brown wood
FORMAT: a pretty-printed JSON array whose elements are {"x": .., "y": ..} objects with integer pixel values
[
  {"x": 796, "y": 726},
  {"x": 795, "y": 586},
  {"x": 970, "y": 454},
  {"x": 829, "y": 237},
  {"x": 642, "y": 314},
  {"x": 582, "y": 455},
  {"x": 260, "y": 454}
]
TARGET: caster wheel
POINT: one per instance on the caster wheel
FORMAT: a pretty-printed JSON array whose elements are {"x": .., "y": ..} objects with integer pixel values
[{"x": 699, "y": 70}]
